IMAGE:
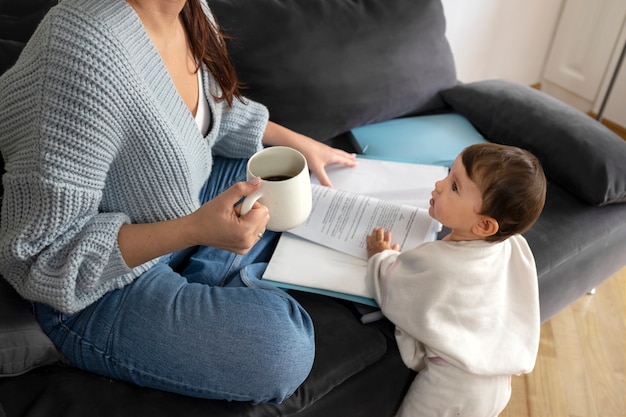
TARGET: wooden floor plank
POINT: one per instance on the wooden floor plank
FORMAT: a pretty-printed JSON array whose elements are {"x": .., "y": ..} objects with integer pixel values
[
  {"x": 569, "y": 346},
  {"x": 548, "y": 398},
  {"x": 581, "y": 362},
  {"x": 596, "y": 356},
  {"x": 519, "y": 402},
  {"x": 604, "y": 335}
]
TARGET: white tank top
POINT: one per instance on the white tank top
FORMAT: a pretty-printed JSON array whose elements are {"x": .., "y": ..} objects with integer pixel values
[{"x": 203, "y": 115}]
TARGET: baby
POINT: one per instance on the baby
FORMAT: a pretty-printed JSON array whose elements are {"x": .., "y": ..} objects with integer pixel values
[{"x": 466, "y": 308}]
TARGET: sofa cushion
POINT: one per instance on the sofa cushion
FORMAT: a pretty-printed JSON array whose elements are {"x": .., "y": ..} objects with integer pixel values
[
  {"x": 23, "y": 345},
  {"x": 343, "y": 348},
  {"x": 577, "y": 152},
  {"x": 323, "y": 67}
]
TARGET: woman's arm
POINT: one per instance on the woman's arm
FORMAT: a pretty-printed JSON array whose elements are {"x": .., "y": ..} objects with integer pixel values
[
  {"x": 216, "y": 223},
  {"x": 317, "y": 154}
]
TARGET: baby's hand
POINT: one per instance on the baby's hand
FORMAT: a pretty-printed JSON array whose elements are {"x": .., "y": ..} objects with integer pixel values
[{"x": 379, "y": 240}]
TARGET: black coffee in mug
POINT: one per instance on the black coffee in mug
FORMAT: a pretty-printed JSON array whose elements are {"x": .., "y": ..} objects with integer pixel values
[{"x": 277, "y": 177}]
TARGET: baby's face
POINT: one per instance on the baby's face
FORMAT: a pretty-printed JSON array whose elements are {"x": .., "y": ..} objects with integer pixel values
[{"x": 456, "y": 202}]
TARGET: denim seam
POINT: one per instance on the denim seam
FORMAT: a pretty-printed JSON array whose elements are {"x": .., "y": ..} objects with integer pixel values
[{"x": 164, "y": 380}]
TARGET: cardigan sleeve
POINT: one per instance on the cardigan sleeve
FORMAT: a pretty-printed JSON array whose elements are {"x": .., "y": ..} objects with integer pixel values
[{"x": 56, "y": 247}]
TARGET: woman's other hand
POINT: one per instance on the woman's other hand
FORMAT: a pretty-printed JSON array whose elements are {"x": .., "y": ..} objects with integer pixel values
[{"x": 319, "y": 155}]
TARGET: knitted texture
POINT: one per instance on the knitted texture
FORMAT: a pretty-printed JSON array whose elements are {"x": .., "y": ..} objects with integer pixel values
[{"x": 95, "y": 135}]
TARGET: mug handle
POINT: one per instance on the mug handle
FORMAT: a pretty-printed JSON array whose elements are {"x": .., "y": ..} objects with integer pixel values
[{"x": 249, "y": 201}]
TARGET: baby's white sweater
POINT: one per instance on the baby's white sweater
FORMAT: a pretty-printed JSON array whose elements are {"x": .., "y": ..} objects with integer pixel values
[{"x": 474, "y": 304}]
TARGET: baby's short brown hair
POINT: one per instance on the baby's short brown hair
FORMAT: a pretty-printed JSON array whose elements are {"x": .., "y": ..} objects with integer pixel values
[{"x": 512, "y": 183}]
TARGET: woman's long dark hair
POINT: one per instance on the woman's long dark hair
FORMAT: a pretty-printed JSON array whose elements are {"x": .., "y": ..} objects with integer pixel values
[{"x": 209, "y": 47}]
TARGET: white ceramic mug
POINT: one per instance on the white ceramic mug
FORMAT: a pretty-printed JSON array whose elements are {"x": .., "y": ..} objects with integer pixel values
[{"x": 286, "y": 187}]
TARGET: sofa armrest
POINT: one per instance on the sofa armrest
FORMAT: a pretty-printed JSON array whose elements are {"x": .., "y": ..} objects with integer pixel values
[{"x": 576, "y": 151}]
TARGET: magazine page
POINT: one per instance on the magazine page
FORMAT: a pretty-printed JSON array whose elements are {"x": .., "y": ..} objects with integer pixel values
[{"x": 342, "y": 220}]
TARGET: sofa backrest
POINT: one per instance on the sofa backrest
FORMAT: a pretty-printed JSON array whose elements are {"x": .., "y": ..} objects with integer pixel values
[
  {"x": 323, "y": 67},
  {"x": 18, "y": 21}
]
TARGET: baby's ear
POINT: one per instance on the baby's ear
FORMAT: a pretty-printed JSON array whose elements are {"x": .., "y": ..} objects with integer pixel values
[{"x": 486, "y": 226}]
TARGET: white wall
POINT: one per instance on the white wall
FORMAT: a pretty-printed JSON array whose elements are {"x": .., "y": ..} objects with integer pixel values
[
  {"x": 507, "y": 39},
  {"x": 511, "y": 39}
]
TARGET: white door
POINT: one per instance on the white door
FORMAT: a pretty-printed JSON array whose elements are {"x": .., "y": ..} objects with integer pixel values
[{"x": 584, "y": 44}]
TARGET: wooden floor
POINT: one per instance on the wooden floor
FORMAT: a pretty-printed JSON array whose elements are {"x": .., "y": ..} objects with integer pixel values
[{"x": 580, "y": 366}]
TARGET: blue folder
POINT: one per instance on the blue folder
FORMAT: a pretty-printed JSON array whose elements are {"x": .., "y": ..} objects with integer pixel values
[{"x": 432, "y": 140}]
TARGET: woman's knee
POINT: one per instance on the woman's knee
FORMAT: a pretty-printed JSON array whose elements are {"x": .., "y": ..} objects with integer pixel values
[{"x": 286, "y": 356}]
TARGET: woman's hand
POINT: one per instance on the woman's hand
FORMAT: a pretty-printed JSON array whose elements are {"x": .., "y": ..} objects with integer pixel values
[
  {"x": 318, "y": 155},
  {"x": 218, "y": 222},
  {"x": 379, "y": 240}
]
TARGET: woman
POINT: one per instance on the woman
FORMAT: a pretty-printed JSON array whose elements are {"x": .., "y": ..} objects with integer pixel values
[{"x": 125, "y": 140}]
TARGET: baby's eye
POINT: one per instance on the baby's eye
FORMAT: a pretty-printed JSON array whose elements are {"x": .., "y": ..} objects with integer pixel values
[{"x": 454, "y": 187}]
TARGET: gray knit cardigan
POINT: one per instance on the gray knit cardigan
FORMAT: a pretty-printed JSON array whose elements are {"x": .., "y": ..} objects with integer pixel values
[{"x": 94, "y": 135}]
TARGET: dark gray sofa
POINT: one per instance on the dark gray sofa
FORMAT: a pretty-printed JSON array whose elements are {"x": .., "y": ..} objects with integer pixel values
[{"x": 324, "y": 67}]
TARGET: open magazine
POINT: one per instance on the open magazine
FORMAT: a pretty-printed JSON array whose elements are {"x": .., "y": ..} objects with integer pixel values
[{"x": 327, "y": 254}]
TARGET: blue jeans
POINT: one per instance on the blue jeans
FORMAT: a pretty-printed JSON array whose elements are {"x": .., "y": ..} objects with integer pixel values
[{"x": 199, "y": 323}]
